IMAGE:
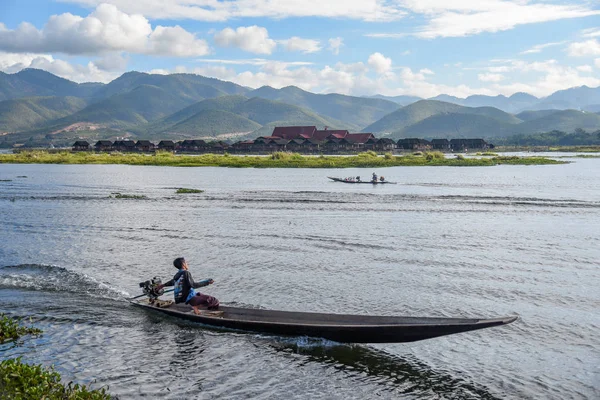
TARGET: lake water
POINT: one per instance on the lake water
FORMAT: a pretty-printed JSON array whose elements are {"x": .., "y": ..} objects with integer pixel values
[{"x": 450, "y": 242}]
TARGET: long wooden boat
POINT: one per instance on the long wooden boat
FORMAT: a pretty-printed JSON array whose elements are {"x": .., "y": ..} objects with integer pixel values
[
  {"x": 342, "y": 328},
  {"x": 369, "y": 182}
]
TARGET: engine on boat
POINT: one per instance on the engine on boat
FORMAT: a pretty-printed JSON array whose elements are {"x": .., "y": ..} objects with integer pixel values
[{"x": 152, "y": 288}]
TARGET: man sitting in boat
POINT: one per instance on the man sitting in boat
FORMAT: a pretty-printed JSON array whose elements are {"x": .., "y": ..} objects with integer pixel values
[
  {"x": 358, "y": 179},
  {"x": 374, "y": 179},
  {"x": 185, "y": 288},
  {"x": 381, "y": 179}
]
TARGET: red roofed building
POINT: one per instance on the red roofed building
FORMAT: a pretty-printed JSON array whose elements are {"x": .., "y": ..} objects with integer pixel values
[
  {"x": 293, "y": 132},
  {"x": 324, "y": 134},
  {"x": 359, "y": 138}
]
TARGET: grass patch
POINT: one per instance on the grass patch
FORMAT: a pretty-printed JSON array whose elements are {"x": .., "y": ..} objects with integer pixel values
[
  {"x": 186, "y": 190},
  {"x": 275, "y": 160},
  {"x": 488, "y": 154},
  {"x": 128, "y": 196},
  {"x": 23, "y": 381},
  {"x": 11, "y": 329}
]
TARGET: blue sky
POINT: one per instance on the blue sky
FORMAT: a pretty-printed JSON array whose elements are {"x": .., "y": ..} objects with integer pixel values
[{"x": 357, "y": 47}]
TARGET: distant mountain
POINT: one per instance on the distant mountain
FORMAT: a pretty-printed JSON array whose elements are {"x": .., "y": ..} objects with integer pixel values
[
  {"x": 514, "y": 103},
  {"x": 237, "y": 114},
  {"x": 395, "y": 123},
  {"x": 562, "y": 120},
  {"x": 574, "y": 98},
  {"x": 530, "y": 115},
  {"x": 27, "y": 113},
  {"x": 354, "y": 111},
  {"x": 141, "y": 105},
  {"x": 36, "y": 82},
  {"x": 457, "y": 125},
  {"x": 435, "y": 119},
  {"x": 187, "y": 86},
  {"x": 400, "y": 100}
]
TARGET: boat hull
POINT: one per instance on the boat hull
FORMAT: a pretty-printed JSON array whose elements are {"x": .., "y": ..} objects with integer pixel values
[
  {"x": 359, "y": 182},
  {"x": 341, "y": 328}
]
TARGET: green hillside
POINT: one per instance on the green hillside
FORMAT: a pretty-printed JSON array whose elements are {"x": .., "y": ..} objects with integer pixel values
[
  {"x": 212, "y": 123},
  {"x": 457, "y": 125},
  {"x": 35, "y": 82},
  {"x": 26, "y": 113},
  {"x": 354, "y": 111},
  {"x": 530, "y": 115},
  {"x": 565, "y": 120},
  {"x": 236, "y": 114},
  {"x": 139, "y": 106},
  {"x": 411, "y": 114},
  {"x": 187, "y": 86}
]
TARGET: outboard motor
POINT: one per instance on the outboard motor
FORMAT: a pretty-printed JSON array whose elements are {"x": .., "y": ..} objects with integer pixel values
[{"x": 151, "y": 288}]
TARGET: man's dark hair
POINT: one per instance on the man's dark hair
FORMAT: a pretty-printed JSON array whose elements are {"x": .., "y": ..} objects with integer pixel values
[{"x": 178, "y": 263}]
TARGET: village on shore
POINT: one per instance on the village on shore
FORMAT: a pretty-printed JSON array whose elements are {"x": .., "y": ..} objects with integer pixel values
[{"x": 297, "y": 139}]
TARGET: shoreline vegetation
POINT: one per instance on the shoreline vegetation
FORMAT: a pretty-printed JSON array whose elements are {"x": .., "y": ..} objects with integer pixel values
[
  {"x": 368, "y": 159},
  {"x": 19, "y": 380}
]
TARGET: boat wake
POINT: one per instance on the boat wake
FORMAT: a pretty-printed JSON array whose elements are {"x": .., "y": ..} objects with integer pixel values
[{"x": 52, "y": 278}]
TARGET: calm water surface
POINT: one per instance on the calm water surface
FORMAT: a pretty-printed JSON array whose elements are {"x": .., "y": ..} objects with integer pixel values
[{"x": 452, "y": 242}]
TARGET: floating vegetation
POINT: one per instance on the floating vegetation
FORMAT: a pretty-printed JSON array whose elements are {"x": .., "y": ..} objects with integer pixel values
[
  {"x": 488, "y": 154},
  {"x": 23, "y": 381},
  {"x": 128, "y": 196},
  {"x": 22, "y": 176},
  {"x": 186, "y": 190},
  {"x": 275, "y": 160},
  {"x": 11, "y": 329},
  {"x": 5, "y": 180}
]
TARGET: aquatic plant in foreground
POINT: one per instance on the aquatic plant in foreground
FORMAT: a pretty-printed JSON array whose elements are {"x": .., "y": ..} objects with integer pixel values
[
  {"x": 275, "y": 160},
  {"x": 11, "y": 329}
]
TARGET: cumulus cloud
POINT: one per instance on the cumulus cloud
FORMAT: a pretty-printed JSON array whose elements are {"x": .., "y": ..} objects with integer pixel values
[
  {"x": 490, "y": 77},
  {"x": 106, "y": 29},
  {"x": 588, "y": 48},
  {"x": 253, "y": 39},
  {"x": 302, "y": 45},
  {"x": 597, "y": 62},
  {"x": 380, "y": 63},
  {"x": 335, "y": 44}
]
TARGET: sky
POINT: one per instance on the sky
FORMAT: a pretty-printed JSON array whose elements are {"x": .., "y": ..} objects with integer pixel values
[{"x": 356, "y": 47}]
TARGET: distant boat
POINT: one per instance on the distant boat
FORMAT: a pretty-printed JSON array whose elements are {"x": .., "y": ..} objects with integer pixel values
[{"x": 355, "y": 181}]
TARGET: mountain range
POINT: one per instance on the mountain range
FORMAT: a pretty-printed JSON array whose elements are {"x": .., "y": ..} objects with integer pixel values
[{"x": 38, "y": 108}]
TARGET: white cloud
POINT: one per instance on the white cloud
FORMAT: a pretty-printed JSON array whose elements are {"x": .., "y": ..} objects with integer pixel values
[
  {"x": 112, "y": 62},
  {"x": 465, "y": 17},
  {"x": 212, "y": 10},
  {"x": 253, "y": 39},
  {"x": 590, "y": 33},
  {"x": 597, "y": 62},
  {"x": 490, "y": 77},
  {"x": 380, "y": 63},
  {"x": 335, "y": 44},
  {"x": 539, "y": 47},
  {"x": 250, "y": 61},
  {"x": 585, "y": 68},
  {"x": 587, "y": 48},
  {"x": 14, "y": 62},
  {"x": 106, "y": 29},
  {"x": 303, "y": 45}
]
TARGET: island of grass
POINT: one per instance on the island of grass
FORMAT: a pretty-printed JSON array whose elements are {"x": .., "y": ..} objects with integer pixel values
[
  {"x": 128, "y": 196},
  {"x": 19, "y": 380},
  {"x": 186, "y": 190},
  {"x": 275, "y": 160}
]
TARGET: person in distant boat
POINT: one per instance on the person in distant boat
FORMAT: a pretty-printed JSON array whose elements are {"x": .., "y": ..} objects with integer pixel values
[
  {"x": 358, "y": 179},
  {"x": 374, "y": 179},
  {"x": 381, "y": 178},
  {"x": 185, "y": 288}
]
